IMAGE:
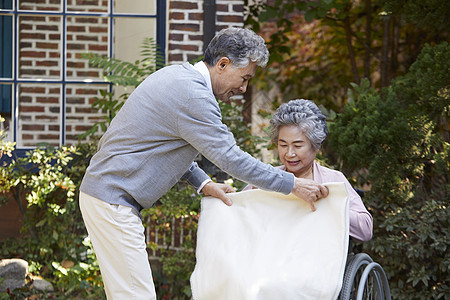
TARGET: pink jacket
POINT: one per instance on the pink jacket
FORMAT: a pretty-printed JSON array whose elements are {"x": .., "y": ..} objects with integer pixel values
[{"x": 361, "y": 222}]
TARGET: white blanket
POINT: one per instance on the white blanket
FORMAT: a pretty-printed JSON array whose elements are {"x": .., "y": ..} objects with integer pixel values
[{"x": 270, "y": 246}]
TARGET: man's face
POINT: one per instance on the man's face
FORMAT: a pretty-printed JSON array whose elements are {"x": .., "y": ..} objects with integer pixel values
[{"x": 229, "y": 81}]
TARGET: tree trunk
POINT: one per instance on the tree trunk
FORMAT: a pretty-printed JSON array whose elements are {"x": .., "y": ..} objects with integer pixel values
[
  {"x": 351, "y": 52},
  {"x": 368, "y": 38},
  {"x": 394, "y": 47},
  {"x": 384, "y": 63}
]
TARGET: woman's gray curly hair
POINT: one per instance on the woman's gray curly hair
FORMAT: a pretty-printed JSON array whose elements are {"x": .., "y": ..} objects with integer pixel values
[
  {"x": 240, "y": 45},
  {"x": 306, "y": 115}
]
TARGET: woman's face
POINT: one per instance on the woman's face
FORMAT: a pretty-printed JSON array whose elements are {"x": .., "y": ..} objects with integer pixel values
[{"x": 295, "y": 150}]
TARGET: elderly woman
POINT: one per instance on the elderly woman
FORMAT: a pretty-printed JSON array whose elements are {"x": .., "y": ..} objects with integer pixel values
[{"x": 298, "y": 129}]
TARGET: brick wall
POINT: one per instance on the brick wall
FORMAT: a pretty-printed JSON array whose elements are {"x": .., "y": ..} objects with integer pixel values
[
  {"x": 40, "y": 53},
  {"x": 40, "y": 56},
  {"x": 185, "y": 39}
]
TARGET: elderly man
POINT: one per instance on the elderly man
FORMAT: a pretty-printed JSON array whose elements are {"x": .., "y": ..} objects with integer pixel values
[{"x": 152, "y": 143}]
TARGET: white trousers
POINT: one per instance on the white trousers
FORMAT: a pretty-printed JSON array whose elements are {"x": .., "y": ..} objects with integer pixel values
[{"x": 117, "y": 235}]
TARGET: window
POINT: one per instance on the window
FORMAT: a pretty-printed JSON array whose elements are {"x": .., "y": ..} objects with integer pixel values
[{"x": 46, "y": 88}]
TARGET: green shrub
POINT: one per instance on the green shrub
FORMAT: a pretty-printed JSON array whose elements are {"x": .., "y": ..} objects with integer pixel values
[
  {"x": 395, "y": 143},
  {"x": 53, "y": 237}
]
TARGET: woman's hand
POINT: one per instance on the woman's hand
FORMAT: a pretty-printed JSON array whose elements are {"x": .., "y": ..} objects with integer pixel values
[
  {"x": 309, "y": 190},
  {"x": 218, "y": 190}
]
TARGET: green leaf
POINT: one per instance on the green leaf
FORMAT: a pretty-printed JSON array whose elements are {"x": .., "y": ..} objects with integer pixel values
[{"x": 310, "y": 15}]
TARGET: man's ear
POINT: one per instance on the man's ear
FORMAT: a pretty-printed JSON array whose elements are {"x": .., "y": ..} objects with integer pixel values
[{"x": 223, "y": 63}]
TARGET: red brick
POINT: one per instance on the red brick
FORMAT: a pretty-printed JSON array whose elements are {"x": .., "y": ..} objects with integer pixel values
[
  {"x": 88, "y": 74},
  {"x": 32, "y": 19},
  {"x": 46, "y": 63},
  {"x": 47, "y": 118},
  {"x": 97, "y": 29},
  {"x": 34, "y": 35},
  {"x": 87, "y": 38},
  {"x": 24, "y": 26},
  {"x": 175, "y": 37},
  {"x": 72, "y": 100},
  {"x": 175, "y": 57},
  {"x": 196, "y": 16},
  {"x": 55, "y": 37},
  {"x": 238, "y": 8},
  {"x": 54, "y": 55},
  {"x": 25, "y": 99},
  {"x": 86, "y": 91},
  {"x": 87, "y": 20},
  {"x": 48, "y": 137},
  {"x": 34, "y": 54},
  {"x": 185, "y": 27},
  {"x": 31, "y": 109},
  {"x": 176, "y": 16},
  {"x": 33, "y": 127},
  {"x": 23, "y": 45},
  {"x": 32, "y": 89},
  {"x": 47, "y": 100},
  {"x": 193, "y": 37},
  {"x": 31, "y": 72},
  {"x": 96, "y": 47},
  {"x": 230, "y": 19},
  {"x": 183, "y": 5},
  {"x": 47, "y": 27},
  {"x": 47, "y": 45},
  {"x": 79, "y": 65},
  {"x": 73, "y": 28},
  {"x": 184, "y": 47},
  {"x": 76, "y": 46},
  {"x": 222, "y": 7}
]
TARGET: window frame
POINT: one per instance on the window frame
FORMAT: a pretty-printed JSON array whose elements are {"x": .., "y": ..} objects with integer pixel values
[{"x": 15, "y": 12}]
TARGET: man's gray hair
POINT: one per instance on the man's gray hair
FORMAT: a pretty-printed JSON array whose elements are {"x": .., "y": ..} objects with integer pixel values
[
  {"x": 240, "y": 45},
  {"x": 306, "y": 115}
]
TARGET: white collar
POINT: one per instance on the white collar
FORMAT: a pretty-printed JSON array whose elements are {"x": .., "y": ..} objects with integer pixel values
[{"x": 203, "y": 69}]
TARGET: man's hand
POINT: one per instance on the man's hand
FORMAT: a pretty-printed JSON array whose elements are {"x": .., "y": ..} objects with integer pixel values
[
  {"x": 218, "y": 190},
  {"x": 309, "y": 190}
]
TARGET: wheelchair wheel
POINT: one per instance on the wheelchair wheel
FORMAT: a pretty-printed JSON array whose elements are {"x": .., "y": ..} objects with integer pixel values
[
  {"x": 373, "y": 283},
  {"x": 364, "y": 279}
]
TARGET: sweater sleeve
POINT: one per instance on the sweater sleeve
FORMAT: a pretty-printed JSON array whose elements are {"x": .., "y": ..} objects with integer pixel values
[
  {"x": 361, "y": 222},
  {"x": 200, "y": 124},
  {"x": 195, "y": 176}
]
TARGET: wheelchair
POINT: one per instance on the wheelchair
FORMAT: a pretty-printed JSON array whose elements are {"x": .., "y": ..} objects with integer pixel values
[{"x": 363, "y": 278}]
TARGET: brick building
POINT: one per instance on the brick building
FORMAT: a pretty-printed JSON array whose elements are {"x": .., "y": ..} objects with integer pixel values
[{"x": 47, "y": 88}]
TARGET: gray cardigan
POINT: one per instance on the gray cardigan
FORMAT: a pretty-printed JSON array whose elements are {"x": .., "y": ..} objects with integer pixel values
[{"x": 152, "y": 143}]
